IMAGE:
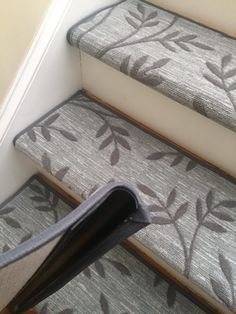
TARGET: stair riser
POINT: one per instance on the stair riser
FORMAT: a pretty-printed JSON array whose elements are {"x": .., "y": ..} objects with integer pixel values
[{"x": 186, "y": 128}]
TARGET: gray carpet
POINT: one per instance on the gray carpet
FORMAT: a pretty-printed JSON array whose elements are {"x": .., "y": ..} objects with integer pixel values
[
  {"x": 117, "y": 283},
  {"x": 35, "y": 208},
  {"x": 194, "y": 65},
  {"x": 194, "y": 208}
]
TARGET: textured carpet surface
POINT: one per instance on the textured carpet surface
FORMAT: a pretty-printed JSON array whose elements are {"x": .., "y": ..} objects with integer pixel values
[
  {"x": 194, "y": 208},
  {"x": 35, "y": 208},
  {"x": 117, "y": 283},
  {"x": 194, "y": 65}
]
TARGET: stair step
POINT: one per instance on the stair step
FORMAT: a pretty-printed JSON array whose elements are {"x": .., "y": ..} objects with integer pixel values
[
  {"x": 31, "y": 211},
  {"x": 193, "y": 207},
  {"x": 194, "y": 65},
  {"x": 27, "y": 212},
  {"x": 117, "y": 283}
]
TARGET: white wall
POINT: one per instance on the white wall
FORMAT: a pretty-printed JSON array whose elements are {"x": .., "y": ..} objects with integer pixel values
[
  {"x": 19, "y": 21},
  {"x": 50, "y": 74}
]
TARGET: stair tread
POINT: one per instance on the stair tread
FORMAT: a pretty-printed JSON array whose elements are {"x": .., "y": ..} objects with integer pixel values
[
  {"x": 119, "y": 283},
  {"x": 190, "y": 63},
  {"x": 193, "y": 206},
  {"x": 115, "y": 282}
]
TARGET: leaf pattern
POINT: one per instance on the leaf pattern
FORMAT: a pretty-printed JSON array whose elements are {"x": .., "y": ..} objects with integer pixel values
[
  {"x": 202, "y": 218},
  {"x": 171, "y": 295},
  {"x": 32, "y": 135},
  {"x": 146, "y": 190},
  {"x": 45, "y": 310},
  {"x": 46, "y": 163},
  {"x": 226, "y": 268},
  {"x": 223, "y": 216},
  {"x": 164, "y": 206},
  {"x": 5, "y": 248},
  {"x": 44, "y": 199},
  {"x": 220, "y": 291},
  {"x": 61, "y": 173},
  {"x": 181, "y": 211},
  {"x": 158, "y": 220},
  {"x": 47, "y": 126},
  {"x": 26, "y": 238},
  {"x": 104, "y": 304},
  {"x": 120, "y": 267},
  {"x": 214, "y": 227},
  {"x": 100, "y": 269},
  {"x": 183, "y": 42},
  {"x": 227, "y": 203},
  {"x": 148, "y": 18},
  {"x": 177, "y": 160},
  {"x": 12, "y": 222},
  {"x": 221, "y": 77},
  {"x": 171, "y": 198},
  {"x": 6, "y": 210},
  {"x": 87, "y": 273},
  {"x": 69, "y": 136},
  {"x": 144, "y": 74},
  {"x": 114, "y": 135},
  {"x": 199, "y": 210},
  {"x": 219, "y": 287}
]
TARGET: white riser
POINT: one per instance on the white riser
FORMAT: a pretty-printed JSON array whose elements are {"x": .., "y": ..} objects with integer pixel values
[{"x": 197, "y": 134}]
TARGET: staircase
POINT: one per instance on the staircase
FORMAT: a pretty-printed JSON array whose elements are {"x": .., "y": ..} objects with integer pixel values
[{"x": 185, "y": 260}]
